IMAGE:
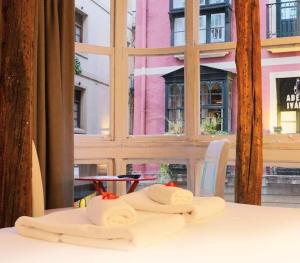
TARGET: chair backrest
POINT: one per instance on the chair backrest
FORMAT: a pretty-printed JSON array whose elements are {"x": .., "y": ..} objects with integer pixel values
[
  {"x": 38, "y": 206},
  {"x": 213, "y": 171}
]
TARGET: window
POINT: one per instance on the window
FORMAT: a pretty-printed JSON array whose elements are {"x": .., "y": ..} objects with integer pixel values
[
  {"x": 163, "y": 92},
  {"x": 165, "y": 172},
  {"x": 217, "y": 29},
  {"x": 216, "y": 1},
  {"x": 212, "y": 2},
  {"x": 202, "y": 29},
  {"x": 288, "y": 9},
  {"x": 212, "y": 113},
  {"x": 283, "y": 18},
  {"x": 159, "y": 17},
  {"x": 213, "y": 26},
  {"x": 94, "y": 83},
  {"x": 178, "y": 4},
  {"x": 175, "y": 109},
  {"x": 78, "y": 27},
  {"x": 156, "y": 97},
  {"x": 215, "y": 98},
  {"x": 215, "y": 101},
  {"x": 77, "y": 109},
  {"x": 85, "y": 190},
  {"x": 179, "y": 31},
  {"x": 288, "y": 18}
]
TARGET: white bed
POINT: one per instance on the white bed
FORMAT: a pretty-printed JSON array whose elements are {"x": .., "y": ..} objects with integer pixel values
[{"x": 241, "y": 233}]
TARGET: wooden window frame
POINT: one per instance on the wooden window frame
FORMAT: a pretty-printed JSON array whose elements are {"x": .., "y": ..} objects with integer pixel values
[{"x": 122, "y": 148}]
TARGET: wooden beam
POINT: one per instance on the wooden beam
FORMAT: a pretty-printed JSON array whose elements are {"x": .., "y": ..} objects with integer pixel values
[
  {"x": 265, "y": 43},
  {"x": 16, "y": 78},
  {"x": 249, "y": 158},
  {"x": 93, "y": 49}
]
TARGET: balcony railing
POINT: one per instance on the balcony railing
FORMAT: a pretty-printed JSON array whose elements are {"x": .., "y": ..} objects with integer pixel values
[{"x": 283, "y": 19}]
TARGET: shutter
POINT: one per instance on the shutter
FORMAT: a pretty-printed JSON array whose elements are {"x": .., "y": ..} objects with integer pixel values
[
  {"x": 217, "y": 31},
  {"x": 179, "y": 31},
  {"x": 202, "y": 29}
]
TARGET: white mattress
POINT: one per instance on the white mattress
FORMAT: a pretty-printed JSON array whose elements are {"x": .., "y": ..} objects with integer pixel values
[{"x": 241, "y": 233}]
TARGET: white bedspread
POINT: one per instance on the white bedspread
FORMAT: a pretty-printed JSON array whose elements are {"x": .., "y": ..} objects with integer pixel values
[{"x": 241, "y": 233}]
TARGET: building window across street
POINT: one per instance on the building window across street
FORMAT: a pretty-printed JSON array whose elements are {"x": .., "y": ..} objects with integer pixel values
[
  {"x": 215, "y": 97},
  {"x": 283, "y": 18},
  {"x": 79, "y": 27},
  {"x": 77, "y": 108},
  {"x": 214, "y": 22}
]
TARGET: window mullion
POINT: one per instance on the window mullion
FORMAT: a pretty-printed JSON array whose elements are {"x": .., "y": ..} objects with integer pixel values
[
  {"x": 120, "y": 71},
  {"x": 192, "y": 71}
]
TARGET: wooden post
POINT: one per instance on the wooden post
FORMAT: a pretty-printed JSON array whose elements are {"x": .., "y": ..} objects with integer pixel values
[
  {"x": 249, "y": 160},
  {"x": 16, "y": 78}
]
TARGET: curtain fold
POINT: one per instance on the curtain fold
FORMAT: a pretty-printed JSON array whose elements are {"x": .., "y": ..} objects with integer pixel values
[{"x": 53, "y": 99}]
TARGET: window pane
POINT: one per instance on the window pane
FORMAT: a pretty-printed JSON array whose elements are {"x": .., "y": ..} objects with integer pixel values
[
  {"x": 217, "y": 104},
  {"x": 155, "y": 24},
  {"x": 92, "y": 22},
  {"x": 178, "y": 3},
  {"x": 85, "y": 190},
  {"x": 92, "y": 94},
  {"x": 283, "y": 18},
  {"x": 216, "y": 1},
  {"x": 215, "y": 22},
  {"x": 165, "y": 172},
  {"x": 217, "y": 30},
  {"x": 179, "y": 31},
  {"x": 281, "y": 186},
  {"x": 202, "y": 29},
  {"x": 280, "y": 91},
  {"x": 156, "y": 95}
]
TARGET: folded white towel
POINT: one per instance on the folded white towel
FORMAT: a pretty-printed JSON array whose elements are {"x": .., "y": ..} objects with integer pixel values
[
  {"x": 201, "y": 208},
  {"x": 204, "y": 208},
  {"x": 70, "y": 222},
  {"x": 150, "y": 229},
  {"x": 74, "y": 227},
  {"x": 169, "y": 195},
  {"x": 106, "y": 212},
  {"x": 140, "y": 201}
]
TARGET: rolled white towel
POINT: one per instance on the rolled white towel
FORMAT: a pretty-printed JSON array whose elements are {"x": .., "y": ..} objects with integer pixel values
[
  {"x": 169, "y": 195},
  {"x": 204, "y": 208},
  {"x": 106, "y": 212},
  {"x": 139, "y": 200}
]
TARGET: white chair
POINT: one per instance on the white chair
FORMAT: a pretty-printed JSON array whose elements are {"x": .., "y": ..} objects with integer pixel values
[
  {"x": 210, "y": 182},
  {"x": 38, "y": 205}
]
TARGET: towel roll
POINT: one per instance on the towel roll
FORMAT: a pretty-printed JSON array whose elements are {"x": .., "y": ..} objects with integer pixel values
[
  {"x": 169, "y": 195},
  {"x": 110, "y": 213}
]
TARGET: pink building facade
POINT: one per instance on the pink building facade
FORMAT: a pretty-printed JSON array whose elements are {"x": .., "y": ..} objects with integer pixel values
[{"x": 159, "y": 81}]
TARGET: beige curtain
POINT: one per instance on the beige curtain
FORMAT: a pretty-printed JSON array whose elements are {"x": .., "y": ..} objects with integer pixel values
[{"x": 53, "y": 99}]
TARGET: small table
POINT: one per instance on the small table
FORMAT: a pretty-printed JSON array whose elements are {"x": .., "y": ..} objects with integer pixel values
[{"x": 100, "y": 188}]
